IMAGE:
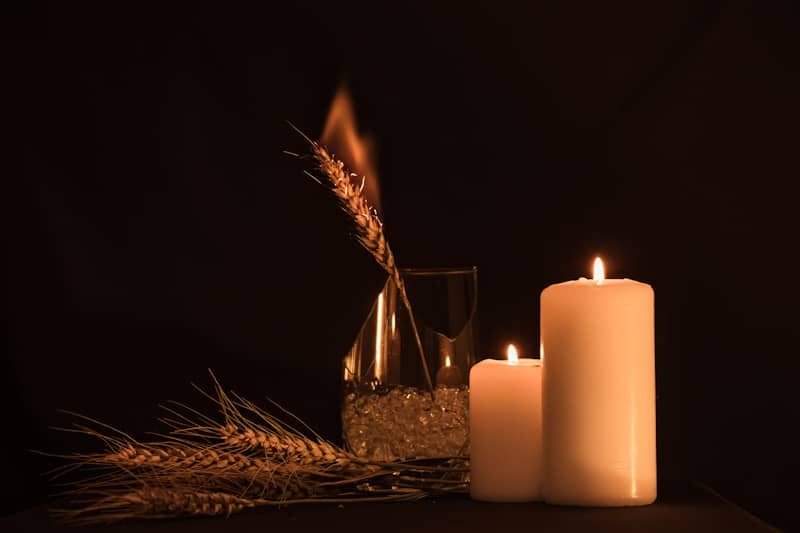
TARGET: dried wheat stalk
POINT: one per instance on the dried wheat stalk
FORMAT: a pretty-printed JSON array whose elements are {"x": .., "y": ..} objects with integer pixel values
[
  {"x": 154, "y": 503},
  {"x": 242, "y": 457},
  {"x": 367, "y": 225}
]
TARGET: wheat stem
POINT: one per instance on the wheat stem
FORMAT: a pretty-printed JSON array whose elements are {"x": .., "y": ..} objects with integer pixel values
[{"x": 368, "y": 228}]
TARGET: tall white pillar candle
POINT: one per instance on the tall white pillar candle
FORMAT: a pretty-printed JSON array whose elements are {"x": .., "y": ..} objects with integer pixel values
[
  {"x": 505, "y": 420},
  {"x": 598, "y": 384}
]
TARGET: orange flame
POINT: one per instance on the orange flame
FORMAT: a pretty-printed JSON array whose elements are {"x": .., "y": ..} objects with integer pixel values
[{"x": 357, "y": 151}]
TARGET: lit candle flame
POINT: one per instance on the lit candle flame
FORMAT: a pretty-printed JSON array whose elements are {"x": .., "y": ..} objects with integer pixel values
[
  {"x": 599, "y": 271},
  {"x": 447, "y": 361},
  {"x": 511, "y": 353}
]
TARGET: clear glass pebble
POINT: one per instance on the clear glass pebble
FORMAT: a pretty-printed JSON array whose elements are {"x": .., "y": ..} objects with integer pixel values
[{"x": 404, "y": 423}]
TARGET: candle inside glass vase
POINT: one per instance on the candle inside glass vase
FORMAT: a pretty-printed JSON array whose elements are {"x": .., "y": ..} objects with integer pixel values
[{"x": 448, "y": 375}]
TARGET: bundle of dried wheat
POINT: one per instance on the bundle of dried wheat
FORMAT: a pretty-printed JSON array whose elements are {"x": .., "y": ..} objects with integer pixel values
[{"x": 237, "y": 458}]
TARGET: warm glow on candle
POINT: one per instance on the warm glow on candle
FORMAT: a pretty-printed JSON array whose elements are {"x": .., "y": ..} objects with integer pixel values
[
  {"x": 599, "y": 270},
  {"x": 511, "y": 353}
]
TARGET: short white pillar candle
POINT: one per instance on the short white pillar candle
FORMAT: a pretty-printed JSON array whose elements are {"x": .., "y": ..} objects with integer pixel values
[{"x": 505, "y": 419}]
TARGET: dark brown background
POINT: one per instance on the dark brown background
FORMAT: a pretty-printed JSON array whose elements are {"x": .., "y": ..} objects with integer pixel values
[{"x": 156, "y": 229}]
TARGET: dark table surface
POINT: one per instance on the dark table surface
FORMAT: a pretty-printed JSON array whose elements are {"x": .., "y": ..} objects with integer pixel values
[{"x": 681, "y": 506}]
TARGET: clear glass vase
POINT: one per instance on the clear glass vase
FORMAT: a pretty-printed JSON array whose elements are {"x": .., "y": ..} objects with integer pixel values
[{"x": 399, "y": 403}]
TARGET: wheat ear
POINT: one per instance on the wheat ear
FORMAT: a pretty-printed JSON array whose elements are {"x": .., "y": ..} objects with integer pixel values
[
  {"x": 367, "y": 225},
  {"x": 109, "y": 507}
]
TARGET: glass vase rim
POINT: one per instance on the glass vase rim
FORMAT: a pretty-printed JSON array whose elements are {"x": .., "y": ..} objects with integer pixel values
[{"x": 438, "y": 271}]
